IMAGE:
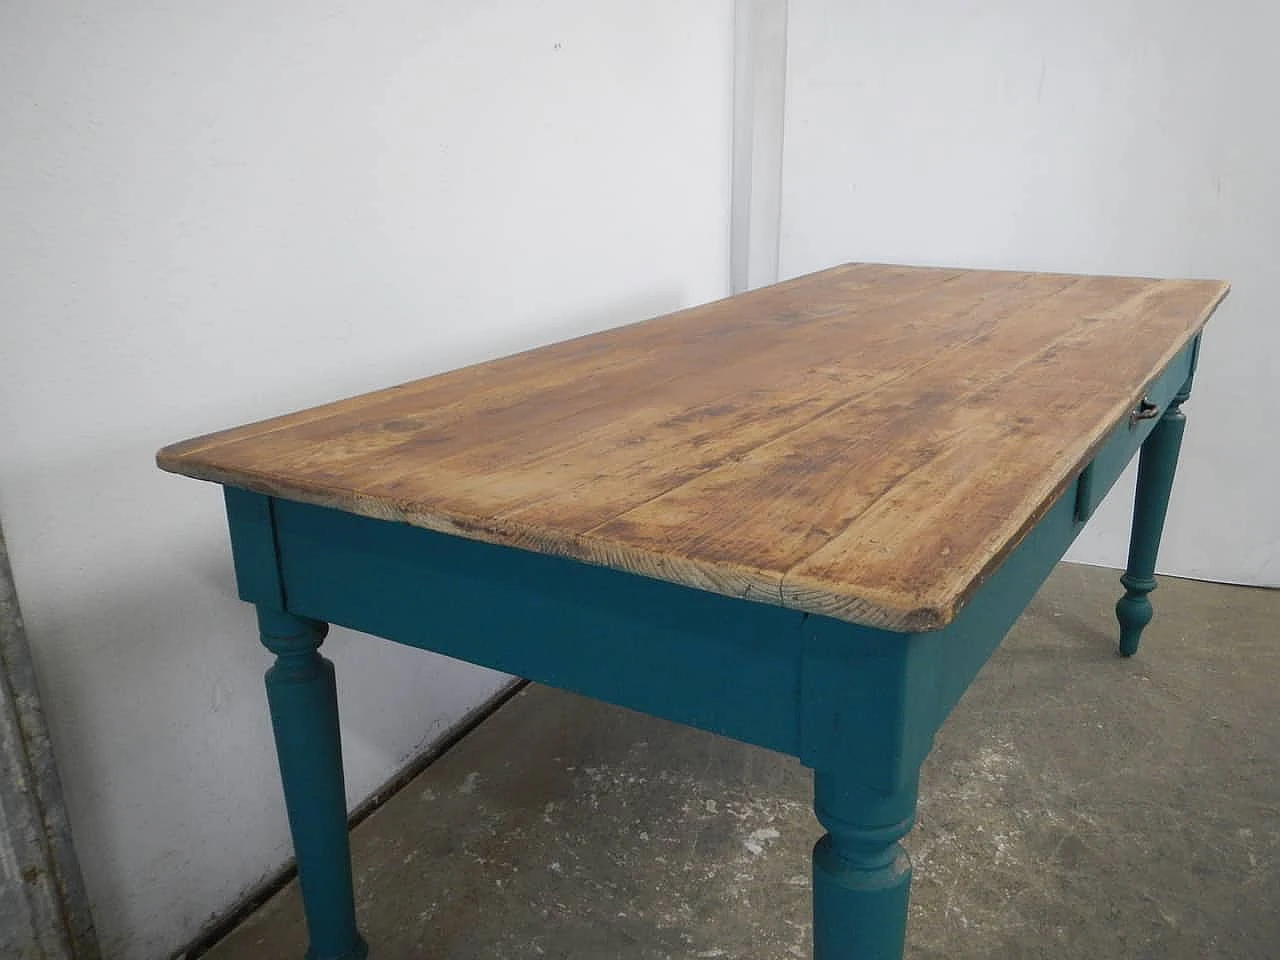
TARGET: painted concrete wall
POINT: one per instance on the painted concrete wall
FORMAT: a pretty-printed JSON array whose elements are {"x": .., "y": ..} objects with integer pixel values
[
  {"x": 216, "y": 212},
  {"x": 1111, "y": 136}
]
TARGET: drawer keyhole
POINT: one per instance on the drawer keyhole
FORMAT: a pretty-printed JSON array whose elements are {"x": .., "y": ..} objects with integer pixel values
[{"x": 1146, "y": 411}]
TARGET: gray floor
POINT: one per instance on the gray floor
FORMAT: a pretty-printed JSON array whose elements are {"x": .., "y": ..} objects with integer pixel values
[{"x": 1076, "y": 806}]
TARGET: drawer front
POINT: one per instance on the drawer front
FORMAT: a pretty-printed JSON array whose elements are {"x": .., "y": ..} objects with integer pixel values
[{"x": 1119, "y": 448}]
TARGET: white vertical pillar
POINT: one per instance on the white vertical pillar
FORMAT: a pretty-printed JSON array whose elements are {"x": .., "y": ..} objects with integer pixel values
[{"x": 759, "y": 105}]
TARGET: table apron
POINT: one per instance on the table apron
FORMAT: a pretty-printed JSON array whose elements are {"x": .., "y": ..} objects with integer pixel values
[{"x": 713, "y": 662}]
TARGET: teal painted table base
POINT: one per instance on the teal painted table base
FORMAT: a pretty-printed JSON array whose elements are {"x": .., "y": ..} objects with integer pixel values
[{"x": 859, "y": 706}]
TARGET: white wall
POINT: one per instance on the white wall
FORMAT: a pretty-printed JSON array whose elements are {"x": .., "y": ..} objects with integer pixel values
[
  {"x": 1110, "y": 136},
  {"x": 216, "y": 212}
]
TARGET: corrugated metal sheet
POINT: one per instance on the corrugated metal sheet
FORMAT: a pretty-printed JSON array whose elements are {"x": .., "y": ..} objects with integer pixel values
[{"x": 43, "y": 911}]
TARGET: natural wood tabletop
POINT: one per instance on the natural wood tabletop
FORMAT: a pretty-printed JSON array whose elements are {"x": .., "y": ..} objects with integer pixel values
[{"x": 867, "y": 442}]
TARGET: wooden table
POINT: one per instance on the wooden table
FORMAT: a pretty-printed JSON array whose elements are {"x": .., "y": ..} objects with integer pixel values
[{"x": 803, "y": 517}]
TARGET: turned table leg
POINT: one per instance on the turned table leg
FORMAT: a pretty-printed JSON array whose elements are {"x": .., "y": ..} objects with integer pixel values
[
  {"x": 861, "y": 874},
  {"x": 302, "y": 695},
  {"x": 1156, "y": 464}
]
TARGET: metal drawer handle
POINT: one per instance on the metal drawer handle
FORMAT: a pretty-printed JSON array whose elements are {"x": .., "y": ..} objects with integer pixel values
[{"x": 1146, "y": 411}]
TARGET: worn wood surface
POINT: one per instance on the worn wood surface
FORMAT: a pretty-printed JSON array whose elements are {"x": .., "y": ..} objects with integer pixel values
[{"x": 867, "y": 442}]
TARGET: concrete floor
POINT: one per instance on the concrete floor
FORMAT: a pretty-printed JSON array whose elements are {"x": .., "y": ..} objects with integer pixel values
[{"x": 1076, "y": 806}]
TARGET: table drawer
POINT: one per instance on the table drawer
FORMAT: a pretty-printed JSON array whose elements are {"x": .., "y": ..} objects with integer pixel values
[{"x": 1110, "y": 459}]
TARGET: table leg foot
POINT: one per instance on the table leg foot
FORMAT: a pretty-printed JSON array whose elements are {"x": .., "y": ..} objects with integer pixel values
[
  {"x": 861, "y": 873},
  {"x": 1156, "y": 464},
  {"x": 302, "y": 695}
]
